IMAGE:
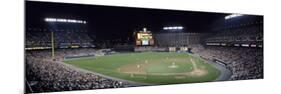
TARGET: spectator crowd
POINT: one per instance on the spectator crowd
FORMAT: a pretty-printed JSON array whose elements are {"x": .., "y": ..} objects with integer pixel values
[
  {"x": 44, "y": 75},
  {"x": 244, "y": 62}
]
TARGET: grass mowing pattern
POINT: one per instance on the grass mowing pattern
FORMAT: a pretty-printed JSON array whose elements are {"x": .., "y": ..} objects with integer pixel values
[
  {"x": 108, "y": 65},
  {"x": 161, "y": 67}
]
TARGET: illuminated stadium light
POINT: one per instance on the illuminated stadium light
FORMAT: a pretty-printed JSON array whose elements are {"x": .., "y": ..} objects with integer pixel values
[
  {"x": 64, "y": 20},
  {"x": 232, "y": 16},
  {"x": 50, "y": 20},
  {"x": 180, "y": 27},
  {"x": 173, "y": 28},
  {"x": 170, "y": 27}
]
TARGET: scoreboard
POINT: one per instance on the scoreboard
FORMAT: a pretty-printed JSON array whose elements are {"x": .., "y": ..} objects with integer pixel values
[{"x": 144, "y": 38}]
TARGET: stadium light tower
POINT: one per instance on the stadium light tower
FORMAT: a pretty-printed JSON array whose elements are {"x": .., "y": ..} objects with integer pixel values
[
  {"x": 60, "y": 20},
  {"x": 232, "y": 16},
  {"x": 173, "y": 28}
]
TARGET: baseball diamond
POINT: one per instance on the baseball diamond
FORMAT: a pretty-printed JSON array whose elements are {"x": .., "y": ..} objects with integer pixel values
[{"x": 151, "y": 67}]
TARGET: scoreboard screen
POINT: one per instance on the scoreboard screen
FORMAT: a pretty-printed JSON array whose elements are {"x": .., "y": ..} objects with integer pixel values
[
  {"x": 144, "y": 38},
  {"x": 145, "y": 42}
]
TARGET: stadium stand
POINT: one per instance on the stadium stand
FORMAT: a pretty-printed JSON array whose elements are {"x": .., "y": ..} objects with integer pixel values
[
  {"x": 41, "y": 37},
  {"x": 176, "y": 39},
  {"x": 245, "y": 63},
  {"x": 44, "y": 75},
  {"x": 240, "y": 48},
  {"x": 238, "y": 35}
]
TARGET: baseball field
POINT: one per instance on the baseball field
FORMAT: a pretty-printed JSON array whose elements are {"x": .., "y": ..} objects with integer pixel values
[{"x": 150, "y": 67}]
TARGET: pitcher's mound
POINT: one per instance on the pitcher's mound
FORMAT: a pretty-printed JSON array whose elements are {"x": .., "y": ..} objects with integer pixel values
[{"x": 173, "y": 65}]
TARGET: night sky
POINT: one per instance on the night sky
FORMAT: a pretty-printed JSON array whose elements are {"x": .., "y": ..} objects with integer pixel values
[{"x": 108, "y": 22}]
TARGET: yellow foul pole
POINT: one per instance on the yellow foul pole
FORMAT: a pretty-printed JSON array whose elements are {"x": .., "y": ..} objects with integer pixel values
[{"x": 53, "y": 48}]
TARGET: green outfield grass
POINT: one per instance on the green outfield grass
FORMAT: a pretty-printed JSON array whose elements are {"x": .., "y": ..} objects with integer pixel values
[{"x": 150, "y": 67}]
